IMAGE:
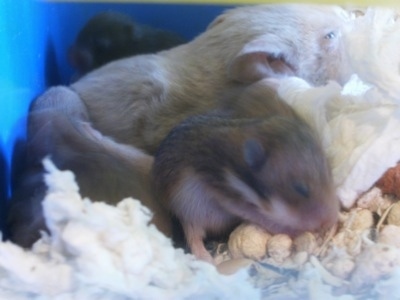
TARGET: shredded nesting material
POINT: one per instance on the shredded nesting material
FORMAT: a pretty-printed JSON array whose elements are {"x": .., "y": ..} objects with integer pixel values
[
  {"x": 360, "y": 122},
  {"x": 96, "y": 251}
]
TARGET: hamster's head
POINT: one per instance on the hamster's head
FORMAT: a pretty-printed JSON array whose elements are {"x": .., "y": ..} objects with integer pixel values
[
  {"x": 105, "y": 37},
  {"x": 292, "y": 179}
]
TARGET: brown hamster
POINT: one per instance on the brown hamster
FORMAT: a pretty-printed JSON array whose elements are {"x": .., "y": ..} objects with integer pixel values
[
  {"x": 214, "y": 170},
  {"x": 138, "y": 100},
  {"x": 112, "y": 35},
  {"x": 104, "y": 170}
]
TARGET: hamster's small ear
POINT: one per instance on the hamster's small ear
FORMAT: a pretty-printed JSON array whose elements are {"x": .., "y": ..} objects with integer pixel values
[
  {"x": 258, "y": 60},
  {"x": 254, "y": 154},
  {"x": 80, "y": 58},
  {"x": 218, "y": 20}
]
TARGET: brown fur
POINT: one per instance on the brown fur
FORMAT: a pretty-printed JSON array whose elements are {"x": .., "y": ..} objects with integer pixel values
[
  {"x": 137, "y": 101},
  {"x": 263, "y": 164},
  {"x": 111, "y": 35}
]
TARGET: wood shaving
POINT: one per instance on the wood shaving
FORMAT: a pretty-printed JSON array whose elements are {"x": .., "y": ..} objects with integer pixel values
[
  {"x": 306, "y": 242},
  {"x": 394, "y": 214},
  {"x": 390, "y": 235},
  {"x": 279, "y": 248},
  {"x": 358, "y": 259},
  {"x": 248, "y": 241},
  {"x": 375, "y": 201}
]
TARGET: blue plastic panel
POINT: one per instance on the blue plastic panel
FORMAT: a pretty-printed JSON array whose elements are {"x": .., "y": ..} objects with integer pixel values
[{"x": 23, "y": 32}]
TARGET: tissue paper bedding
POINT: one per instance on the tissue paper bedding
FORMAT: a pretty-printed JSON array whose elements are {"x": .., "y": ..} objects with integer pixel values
[
  {"x": 360, "y": 122},
  {"x": 97, "y": 251}
]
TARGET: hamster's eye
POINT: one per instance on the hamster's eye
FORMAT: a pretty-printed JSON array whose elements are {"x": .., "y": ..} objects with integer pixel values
[
  {"x": 331, "y": 35},
  {"x": 302, "y": 189}
]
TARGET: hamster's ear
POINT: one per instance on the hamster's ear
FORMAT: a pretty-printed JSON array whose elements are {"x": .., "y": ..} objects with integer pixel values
[
  {"x": 258, "y": 60},
  {"x": 218, "y": 20},
  {"x": 254, "y": 154},
  {"x": 80, "y": 58}
]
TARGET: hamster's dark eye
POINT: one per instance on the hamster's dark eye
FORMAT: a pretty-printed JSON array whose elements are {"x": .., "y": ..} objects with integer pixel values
[
  {"x": 302, "y": 189},
  {"x": 330, "y": 35}
]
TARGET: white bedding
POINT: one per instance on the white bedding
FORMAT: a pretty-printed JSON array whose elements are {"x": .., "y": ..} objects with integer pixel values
[
  {"x": 98, "y": 251},
  {"x": 360, "y": 122}
]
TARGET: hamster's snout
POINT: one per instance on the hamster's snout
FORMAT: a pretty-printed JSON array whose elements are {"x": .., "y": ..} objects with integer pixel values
[{"x": 318, "y": 215}]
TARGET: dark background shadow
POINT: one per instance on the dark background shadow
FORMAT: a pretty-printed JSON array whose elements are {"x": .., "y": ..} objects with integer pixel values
[
  {"x": 51, "y": 71},
  {"x": 3, "y": 191}
]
